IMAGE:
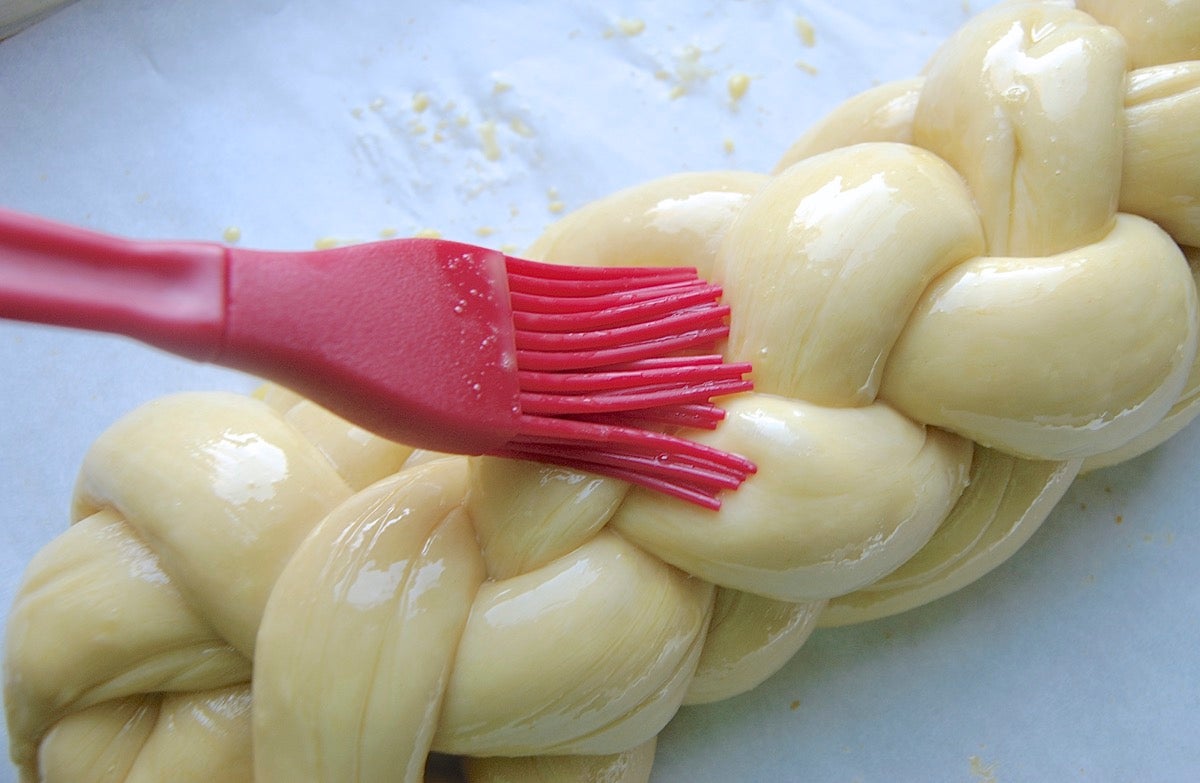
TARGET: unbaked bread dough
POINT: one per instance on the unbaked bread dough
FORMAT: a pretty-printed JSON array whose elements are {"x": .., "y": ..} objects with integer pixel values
[{"x": 957, "y": 291}]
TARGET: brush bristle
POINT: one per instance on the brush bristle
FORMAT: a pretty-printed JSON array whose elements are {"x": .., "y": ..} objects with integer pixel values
[{"x": 606, "y": 353}]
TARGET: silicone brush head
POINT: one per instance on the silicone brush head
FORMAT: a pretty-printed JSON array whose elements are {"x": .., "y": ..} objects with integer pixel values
[
  {"x": 583, "y": 367},
  {"x": 605, "y": 352}
]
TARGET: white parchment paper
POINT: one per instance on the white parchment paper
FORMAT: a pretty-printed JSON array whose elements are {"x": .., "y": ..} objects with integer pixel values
[{"x": 293, "y": 121}]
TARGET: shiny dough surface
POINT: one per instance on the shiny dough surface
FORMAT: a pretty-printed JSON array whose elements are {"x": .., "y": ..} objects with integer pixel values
[{"x": 957, "y": 291}]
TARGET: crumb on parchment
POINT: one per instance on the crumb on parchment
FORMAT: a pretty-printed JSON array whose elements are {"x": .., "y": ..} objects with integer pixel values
[
  {"x": 738, "y": 84},
  {"x": 626, "y": 27},
  {"x": 806, "y": 31}
]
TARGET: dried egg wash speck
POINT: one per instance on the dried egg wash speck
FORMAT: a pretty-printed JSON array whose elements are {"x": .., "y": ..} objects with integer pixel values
[{"x": 946, "y": 326}]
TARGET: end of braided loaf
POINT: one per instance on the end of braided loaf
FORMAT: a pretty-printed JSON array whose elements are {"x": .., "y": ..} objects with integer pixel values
[{"x": 957, "y": 291}]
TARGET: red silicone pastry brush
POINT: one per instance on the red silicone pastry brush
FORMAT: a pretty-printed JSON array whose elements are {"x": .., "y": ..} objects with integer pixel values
[{"x": 436, "y": 344}]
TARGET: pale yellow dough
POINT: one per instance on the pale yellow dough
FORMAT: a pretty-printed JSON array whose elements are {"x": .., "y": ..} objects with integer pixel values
[{"x": 957, "y": 291}]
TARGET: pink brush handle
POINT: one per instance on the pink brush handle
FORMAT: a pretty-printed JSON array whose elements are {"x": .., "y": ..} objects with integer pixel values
[{"x": 168, "y": 294}]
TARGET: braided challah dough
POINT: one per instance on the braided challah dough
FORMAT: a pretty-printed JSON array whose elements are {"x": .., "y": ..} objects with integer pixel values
[{"x": 957, "y": 291}]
